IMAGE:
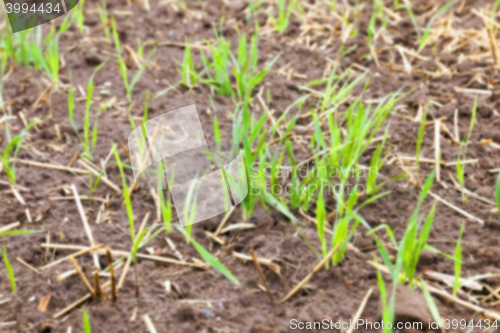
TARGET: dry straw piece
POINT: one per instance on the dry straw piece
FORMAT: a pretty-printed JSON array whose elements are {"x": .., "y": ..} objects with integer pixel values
[
  {"x": 149, "y": 324},
  {"x": 81, "y": 252},
  {"x": 112, "y": 272},
  {"x": 82, "y": 276},
  {"x": 310, "y": 275},
  {"x": 261, "y": 274},
  {"x": 85, "y": 223}
]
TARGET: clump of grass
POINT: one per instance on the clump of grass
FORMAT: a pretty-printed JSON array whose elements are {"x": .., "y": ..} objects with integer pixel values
[
  {"x": 87, "y": 141},
  {"x": 411, "y": 246},
  {"x": 129, "y": 85},
  {"x": 29, "y": 48},
  {"x": 243, "y": 66},
  {"x": 13, "y": 146},
  {"x": 165, "y": 203},
  {"x": 189, "y": 76},
  {"x": 425, "y": 36},
  {"x": 377, "y": 12},
  {"x": 285, "y": 10},
  {"x": 249, "y": 131},
  {"x": 10, "y": 271},
  {"x": 216, "y": 68},
  {"x": 10, "y": 169},
  {"x": 126, "y": 195},
  {"x": 362, "y": 124},
  {"x": 137, "y": 240}
]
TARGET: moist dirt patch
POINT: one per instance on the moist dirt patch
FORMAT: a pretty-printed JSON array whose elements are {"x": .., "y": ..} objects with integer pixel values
[{"x": 445, "y": 78}]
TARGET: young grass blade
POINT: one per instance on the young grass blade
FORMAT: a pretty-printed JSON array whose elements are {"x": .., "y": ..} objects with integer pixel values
[
  {"x": 216, "y": 129},
  {"x": 209, "y": 258},
  {"x": 321, "y": 219},
  {"x": 387, "y": 309},
  {"x": 472, "y": 122},
  {"x": 19, "y": 232},
  {"x": 420, "y": 137},
  {"x": 126, "y": 195},
  {"x": 86, "y": 321},
  {"x": 10, "y": 170},
  {"x": 146, "y": 108},
  {"x": 458, "y": 260},
  {"x": 71, "y": 110},
  {"x": 10, "y": 271},
  {"x": 425, "y": 36},
  {"x": 430, "y": 303}
]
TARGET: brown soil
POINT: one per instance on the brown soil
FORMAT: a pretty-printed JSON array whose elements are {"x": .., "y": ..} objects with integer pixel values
[{"x": 209, "y": 302}]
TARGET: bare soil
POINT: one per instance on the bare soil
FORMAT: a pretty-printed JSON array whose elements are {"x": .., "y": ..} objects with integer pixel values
[{"x": 208, "y": 302}]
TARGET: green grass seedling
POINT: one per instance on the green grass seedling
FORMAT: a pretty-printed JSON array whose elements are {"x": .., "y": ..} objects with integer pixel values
[
  {"x": 126, "y": 195},
  {"x": 166, "y": 211},
  {"x": 425, "y": 36},
  {"x": 284, "y": 14},
  {"x": 10, "y": 271},
  {"x": 28, "y": 48},
  {"x": 103, "y": 16},
  {"x": 133, "y": 254},
  {"x": 165, "y": 202},
  {"x": 411, "y": 15},
  {"x": 129, "y": 85},
  {"x": 87, "y": 141},
  {"x": 216, "y": 68},
  {"x": 93, "y": 184},
  {"x": 458, "y": 260},
  {"x": 411, "y": 246},
  {"x": 421, "y": 131},
  {"x": 378, "y": 11},
  {"x": 79, "y": 16},
  {"x": 388, "y": 307},
  {"x": 13, "y": 146},
  {"x": 321, "y": 219},
  {"x": 243, "y": 66},
  {"x": 189, "y": 77},
  {"x": 89, "y": 145},
  {"x": 431, "y": 304},
  {"x": 86, "y": 321},
  {"x": 19, "y": 232},
  {"x": 10, "y": 169},
  {"x": 209, "y": 258}
]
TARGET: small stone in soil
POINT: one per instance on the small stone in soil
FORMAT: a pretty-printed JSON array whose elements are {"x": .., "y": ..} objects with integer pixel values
[{"x": 207, "y": 313}]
